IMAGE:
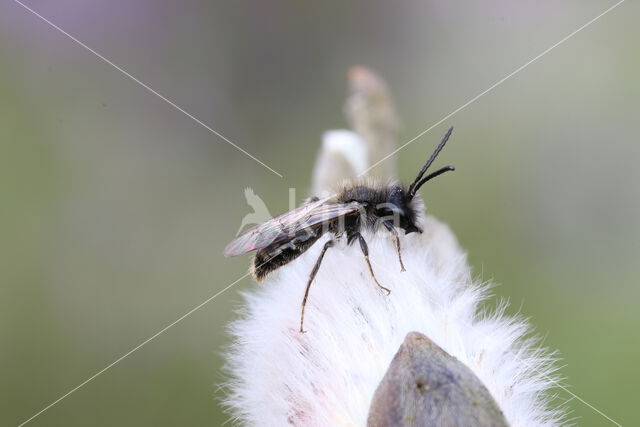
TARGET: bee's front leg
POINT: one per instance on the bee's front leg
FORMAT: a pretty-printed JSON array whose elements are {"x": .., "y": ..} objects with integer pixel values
[{"x": 393, "y": 231}]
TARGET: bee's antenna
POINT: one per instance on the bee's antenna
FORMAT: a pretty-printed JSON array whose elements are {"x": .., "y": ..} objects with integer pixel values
[
  {"x": 417, "y": 183},
  {"x": 431, "y": 176}
]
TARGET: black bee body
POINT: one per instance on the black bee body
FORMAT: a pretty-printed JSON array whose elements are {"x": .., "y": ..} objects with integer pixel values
[
  {"x": 356, "y": 208},
  {"x": 376, "y": 208},
  {"x": 275, "y": 256}
]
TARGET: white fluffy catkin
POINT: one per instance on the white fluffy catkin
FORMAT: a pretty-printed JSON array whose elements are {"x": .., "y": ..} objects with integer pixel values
[{"x": 327, "y": 376}]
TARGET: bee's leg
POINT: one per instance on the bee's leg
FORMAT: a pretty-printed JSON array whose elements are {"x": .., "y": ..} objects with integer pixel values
[
  {"x": 365, "y": 251},
  {"x": 311, "y": 277},
  {"x": 393, "y": 231}
]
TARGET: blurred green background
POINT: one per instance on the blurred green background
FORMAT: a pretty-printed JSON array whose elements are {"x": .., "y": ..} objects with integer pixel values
[{"x": 115, "y": 207}]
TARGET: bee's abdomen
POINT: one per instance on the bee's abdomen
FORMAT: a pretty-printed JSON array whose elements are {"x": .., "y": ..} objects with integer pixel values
[{"x": 275, "y": 256}]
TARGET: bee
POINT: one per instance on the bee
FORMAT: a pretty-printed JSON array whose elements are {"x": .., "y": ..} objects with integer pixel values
[{"x": 357, "y": 207}]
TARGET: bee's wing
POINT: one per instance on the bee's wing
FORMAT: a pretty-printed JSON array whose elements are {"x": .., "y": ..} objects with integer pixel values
[{"x": 283, "y": 227}]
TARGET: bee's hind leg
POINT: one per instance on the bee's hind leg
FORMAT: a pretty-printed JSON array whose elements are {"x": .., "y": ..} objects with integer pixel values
[
  {"x": 365, "y": 251},
  {"x": 393, "y": 231},
  {"x": 314, "y": 271}
]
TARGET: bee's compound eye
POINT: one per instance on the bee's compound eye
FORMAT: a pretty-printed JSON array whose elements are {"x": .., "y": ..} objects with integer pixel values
[{"x": 390, "y": 210}]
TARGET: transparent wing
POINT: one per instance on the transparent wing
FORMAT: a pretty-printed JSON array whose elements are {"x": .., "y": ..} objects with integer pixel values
[{"x": 284, "y": 227}]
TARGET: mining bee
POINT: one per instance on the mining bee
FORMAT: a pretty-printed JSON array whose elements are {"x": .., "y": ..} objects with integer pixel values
[{"x": 355, "y": 208}]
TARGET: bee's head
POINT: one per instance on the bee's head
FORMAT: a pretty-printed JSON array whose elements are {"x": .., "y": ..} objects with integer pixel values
[
  {"x": 399, "y": 207},
  {"x": 399, "y": 201}
]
